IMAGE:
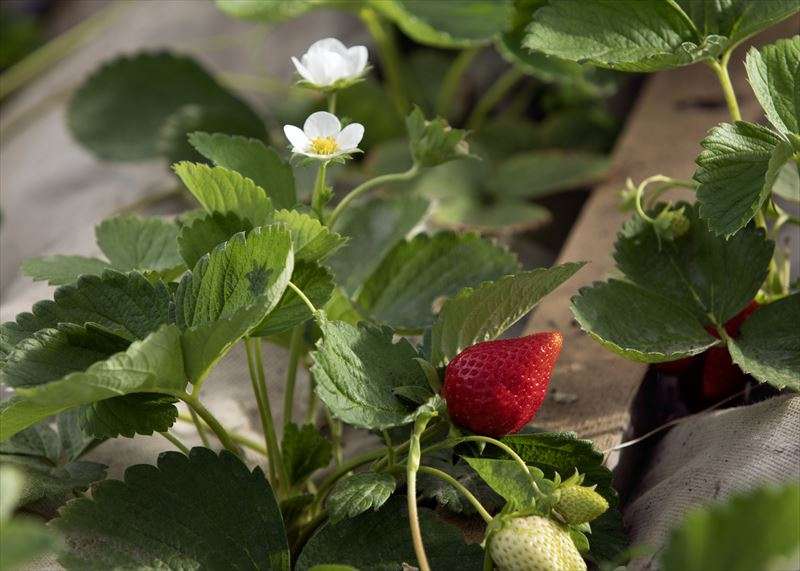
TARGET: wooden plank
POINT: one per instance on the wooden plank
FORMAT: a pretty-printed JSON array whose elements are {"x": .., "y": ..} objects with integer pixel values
[{"x": 674, "y": 111}]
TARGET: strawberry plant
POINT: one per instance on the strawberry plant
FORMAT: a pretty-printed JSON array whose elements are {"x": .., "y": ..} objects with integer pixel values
[
  {"x": 399, "y": 331},
  {"x": 398, "y": 327}
]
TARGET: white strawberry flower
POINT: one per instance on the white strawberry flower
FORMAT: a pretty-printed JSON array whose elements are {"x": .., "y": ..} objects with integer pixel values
[
  {"x": 322, "y": 137},
  {"x": 329, "y": 64}
]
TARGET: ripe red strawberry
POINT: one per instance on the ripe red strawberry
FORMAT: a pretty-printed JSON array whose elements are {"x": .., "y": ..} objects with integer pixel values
[
  {"x": 495, "y": 387},
  {"x": 721, "y": 376}
]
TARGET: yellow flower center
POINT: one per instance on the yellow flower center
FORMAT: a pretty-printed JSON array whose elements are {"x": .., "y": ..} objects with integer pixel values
[{"x": 324, "y": 145}]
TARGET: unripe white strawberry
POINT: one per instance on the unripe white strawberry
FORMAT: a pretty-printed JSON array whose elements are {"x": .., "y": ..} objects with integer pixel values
[
  {"x": 534, "y": 543},
  {"x": 580, "y": 504}
]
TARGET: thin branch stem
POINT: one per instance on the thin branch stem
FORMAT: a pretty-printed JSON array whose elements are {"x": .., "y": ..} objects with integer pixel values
[
  {"x": 319, "y": 196},
  {"x": 176, "y": 442},
  {"x": 412, "y": 467},
  {"x": 385, "y": 40},
  {"x": 332, "y": 102},
  {"x": 493, "y": 96},
  {"x": 303, "y": 297},
  {"x": 295, "y": 346},
  {"x": 199, "y": 425},
  {"x": 277, "y": 468},
  {"x": 452, "y": 81},
  {"x": 365, "y": 186},
  {"x": 666, "y": 425},
  {"x": 461, "y": 489},
  {"x": 240, "y": 439},
  {"x": 211, "y": 421},
  {"x": 721, "y": 70}
]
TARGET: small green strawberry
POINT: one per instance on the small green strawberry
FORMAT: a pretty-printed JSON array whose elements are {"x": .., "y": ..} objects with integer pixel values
[
  {"x": 534, "y": 543},
  {"x": 580, "y": 504}
]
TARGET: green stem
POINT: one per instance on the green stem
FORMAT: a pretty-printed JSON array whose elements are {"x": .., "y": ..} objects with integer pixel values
[
  {"x": 313, "y": 403},
  {"x": 488, "y": 562},
  {"x": 385, "y": 40},
  {"x": 176, "y": 442},
  {"x": 452, "y": 81},
  {"x": 493, "y": 96},
  {"x": 365, "y": 186},
  {"x": 43, "y": 58},
  {"x": 240, "y": 439},
  {"x": 304, "y": 298},
  {"x": 276, "y": 467},
  {"x": 335, "y": 426},
  {"x": 332, "y": 102},
  {"x": 199, "y": 425},
  {"x": 320, "y": 196},
  {"x": 390, "y": 454},
  {"x": 211, "y": 421},
  {"x": 461, "y": 489},
  {"x": 721, "y": 70},
  {"x": 412, "y": 467},
  {"x": 295, "y": 346}
]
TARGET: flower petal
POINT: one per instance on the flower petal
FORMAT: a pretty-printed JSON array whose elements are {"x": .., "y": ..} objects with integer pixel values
[
  {"x": 327, "y": 45},
  {"x": 321, "y": 124},
  {"x": 358, "y": 56},
  {"x": 350, "y": 137},
  {"x": 297, "y": 138},
  {"x": 302, "y": 70}
]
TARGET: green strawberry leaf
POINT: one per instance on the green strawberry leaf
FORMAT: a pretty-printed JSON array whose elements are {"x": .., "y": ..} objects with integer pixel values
[
  {"x": 144, "y": 244},
  {"x": 768, "y": 346},
  {"x": 628, "y": 35},
  {"x": 63, "y": 270},
  {"x": 774, "y": 74},
  {"x": 201, "y": 235},
  {"x": 372, "y": 227},
  {"x": 751, "y": 530},
  {"x": 543, "y": 67},
  {"x": 229, "y": 292},
  {"x": 22, "y": 539},
  {"x": 353, "y": 495},
  {"x": 485, "y": 312},
  {"x": 272, "y": 11},
  {"x": 49, "y": 486},
  {"x": 540, "y": 173},
  {"x": 127, "y": 305},
  {"x": 304, "y": 451},
  {"x": 154, "y": 365},
  {"x": 563, "y": 453},
  {"x": 638, "y": 324},
  {"x": 118, "y": 113},
  {"x": 252, "y": 159},
  {"x": 736, "y": 172},
  {"x": 356, "y": 369},
  {"x": 315, "y": 282},
  {"x": 434, "y": 142},
  {"x": 736, "y": 20},
  {"x": 417, "y": 273},
  {"x": 173, "y": 137},
  {"x": 456, "y": 25},
  {"x": 313, "y": 242},
  {"x": 631, "y": 35},
  {"x": 507, "y": 478},
  {"x": 703, "y": 273},
  {"x": 48, "y": 460},
  {"x": 139, "y": 522},
  {"x": 129, "y": 415},
  {"x": 355, "y": 542},
  {"x": 50, "y": 354},
  {"x": 218, "y": 189}
]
